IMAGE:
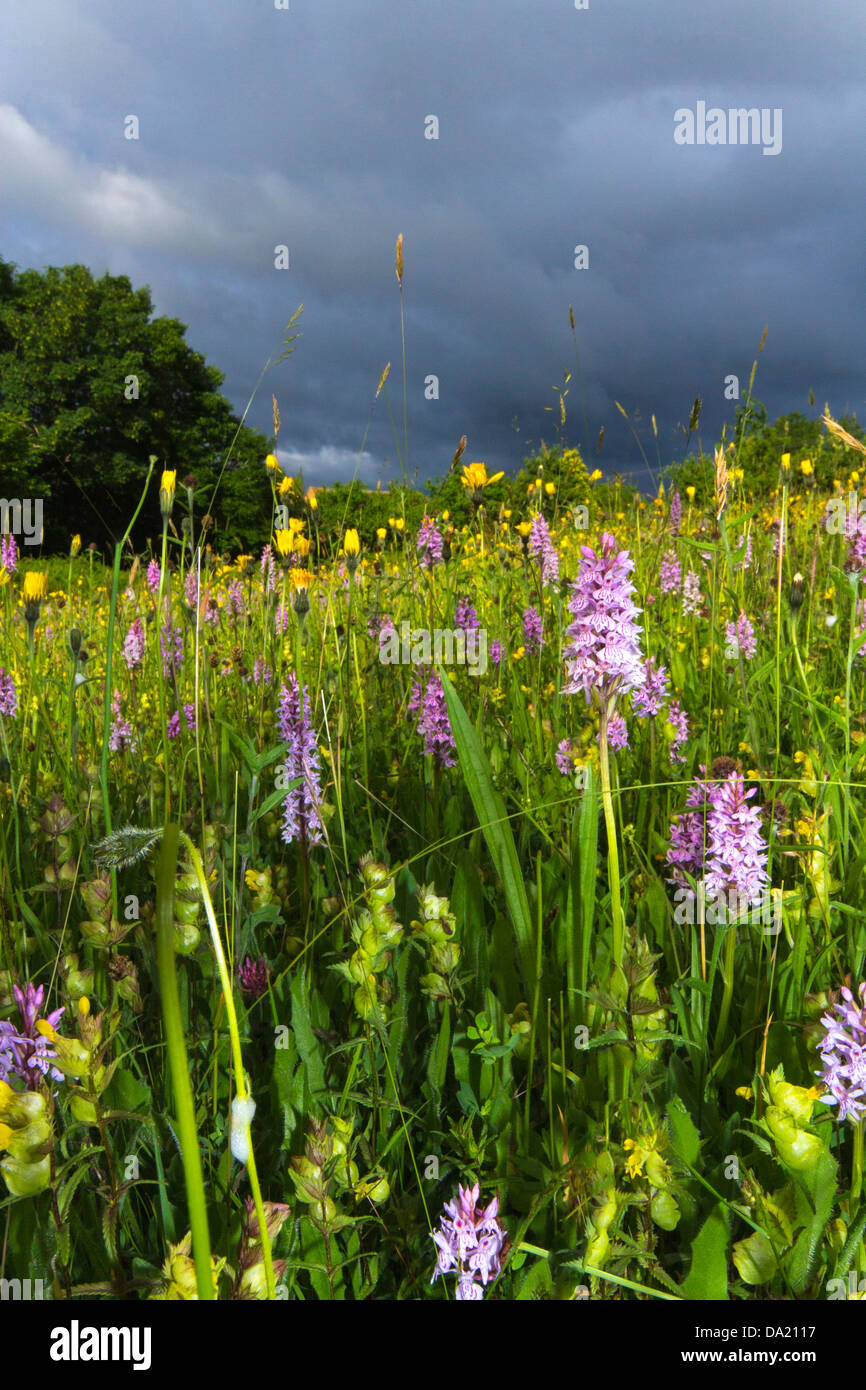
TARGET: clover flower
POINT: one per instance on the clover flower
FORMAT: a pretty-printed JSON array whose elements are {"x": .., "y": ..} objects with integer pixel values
[
  {"x": 254, "y": 978},
  {"x": 472, "y": 1241}
]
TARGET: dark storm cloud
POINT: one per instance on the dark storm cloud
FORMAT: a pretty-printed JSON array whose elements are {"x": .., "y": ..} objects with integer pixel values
[{"x": 306, "y": 127}]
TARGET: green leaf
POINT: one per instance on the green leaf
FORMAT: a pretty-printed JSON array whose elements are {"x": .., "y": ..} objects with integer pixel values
[
  {"x": 754, "y": 1259},
  {"x": 307, "y": 1042},
  {"x": 814, "y": 1207},
  {"x": 495, "y": 826},
  {"x": 708, "y": 1276},
  {"x": 684, "y": 1137},
  {"x": 852, "y": 1240},
  {"x": 438, "y": 1064},
  {"x": 274, "y": 799}
]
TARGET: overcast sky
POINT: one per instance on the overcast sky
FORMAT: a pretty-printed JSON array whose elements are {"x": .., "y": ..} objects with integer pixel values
[{"x": 305, "y": 127}]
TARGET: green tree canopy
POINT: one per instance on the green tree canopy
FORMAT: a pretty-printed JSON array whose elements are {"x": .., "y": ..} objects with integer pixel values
[{"x": 90, "y": 386}]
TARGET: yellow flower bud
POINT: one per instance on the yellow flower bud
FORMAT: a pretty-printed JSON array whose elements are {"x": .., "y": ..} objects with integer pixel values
[{"x": 167, "y": 487}]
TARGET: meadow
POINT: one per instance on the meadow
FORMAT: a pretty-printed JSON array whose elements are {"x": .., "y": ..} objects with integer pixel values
[{"x": 326, "y": 969}]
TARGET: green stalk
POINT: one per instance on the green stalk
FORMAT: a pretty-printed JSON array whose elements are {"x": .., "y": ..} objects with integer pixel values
[
  {"x": 234, "y": 1034},
  {"x": 160, "y": 680},
  {"x": 178, "y": 1063},
  {"x": 612, "y": 855},
  {"x": 728, "y": 991}
]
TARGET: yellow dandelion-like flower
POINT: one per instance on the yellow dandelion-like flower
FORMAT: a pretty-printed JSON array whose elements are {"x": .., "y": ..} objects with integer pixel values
[
  {"x": 296, "y": 523},
  {"x": 690, "y": 493},
  {"x": 475, "y": 476},
  {"x": 283, "y": 542},
  {"x": 351, "y": 542},
  {"x": 35, "y": 587},
  {"x": 300, "y": 578},
  {"x": 287, "y": 485},
  {"x": 272, "y": 463}
]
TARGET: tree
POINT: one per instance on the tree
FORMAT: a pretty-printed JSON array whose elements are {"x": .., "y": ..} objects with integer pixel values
[{"x": 90, "y": 386}]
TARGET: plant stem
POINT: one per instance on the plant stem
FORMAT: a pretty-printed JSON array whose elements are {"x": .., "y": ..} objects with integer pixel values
[{"x": 175, "y": 1046}]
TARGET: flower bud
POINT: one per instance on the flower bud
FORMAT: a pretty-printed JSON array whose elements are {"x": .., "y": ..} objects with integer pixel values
[{"x": 167, "y": 488}]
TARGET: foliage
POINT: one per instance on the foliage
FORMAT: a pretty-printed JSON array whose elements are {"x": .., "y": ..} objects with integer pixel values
[{"x": 91, "y": 385}]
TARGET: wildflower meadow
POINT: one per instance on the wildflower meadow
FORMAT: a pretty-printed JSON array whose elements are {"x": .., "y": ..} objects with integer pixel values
[{"x": 464, "y": 907}]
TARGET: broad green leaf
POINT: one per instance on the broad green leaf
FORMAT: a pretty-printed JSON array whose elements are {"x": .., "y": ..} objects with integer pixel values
[{"x": 708, "y": 1276}]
